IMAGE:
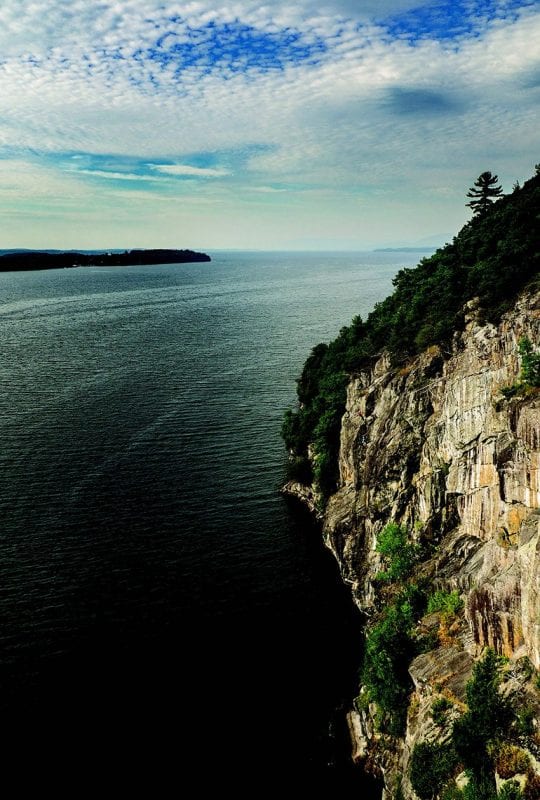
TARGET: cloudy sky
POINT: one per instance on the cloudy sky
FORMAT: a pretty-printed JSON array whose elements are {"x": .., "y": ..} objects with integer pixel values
[{"x": 345, "y": 124}]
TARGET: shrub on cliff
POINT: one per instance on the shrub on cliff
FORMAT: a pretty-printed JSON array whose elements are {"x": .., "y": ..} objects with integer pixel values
[
  {"x": 486, "y": 720},
  {"x": 399, "y": 554},
  {"x": 389, "y": 649},
  {"x": 447, "y": 603},
  {"x": 530, "y": 363},
  {"x": 510, "y": 791},
  {"x": 488, "y": 715},
  {"x": 432, "y": 764}
]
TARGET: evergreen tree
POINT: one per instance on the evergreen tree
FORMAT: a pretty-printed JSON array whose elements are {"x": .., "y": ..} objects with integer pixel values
[{"x": 483, "y": 193}]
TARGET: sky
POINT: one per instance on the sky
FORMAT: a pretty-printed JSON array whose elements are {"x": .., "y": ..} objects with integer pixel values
[{"x": 337, "y": 125}]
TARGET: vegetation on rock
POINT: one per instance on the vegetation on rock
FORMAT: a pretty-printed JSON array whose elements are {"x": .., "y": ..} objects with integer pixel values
[
  {"x": 390, "y": 646},
  {"x": 399, "y": 554},
  {"x": 447, "y": 603},
  {"x": 431, "y": 764},
  {"x": 529, "y": 377},
  {"x": 477, "y": 745}
]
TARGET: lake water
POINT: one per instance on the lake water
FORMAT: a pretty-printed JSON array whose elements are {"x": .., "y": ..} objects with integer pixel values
[{"x": 154, "y": 585}]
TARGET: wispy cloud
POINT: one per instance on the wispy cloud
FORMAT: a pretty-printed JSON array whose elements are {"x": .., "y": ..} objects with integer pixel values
[
  {"x": 186, "y": 169},
  {"x": 360, "y": 111},
  {"x": 267, "y": 189},
  {"x": 114, "y": 176}
]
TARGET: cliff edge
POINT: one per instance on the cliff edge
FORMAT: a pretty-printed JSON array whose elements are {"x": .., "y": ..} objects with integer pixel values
[
  {"x": 433, "y": 514},
  {"x": 436, "y": 447}
]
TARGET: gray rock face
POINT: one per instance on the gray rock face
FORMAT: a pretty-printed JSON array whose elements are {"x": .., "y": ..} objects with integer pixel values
[{"x": 436, "y": 446}]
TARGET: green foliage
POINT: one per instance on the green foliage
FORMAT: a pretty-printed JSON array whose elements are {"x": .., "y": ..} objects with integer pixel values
[
  {"x": 486, "y": 720},
  {"x": 299, "y": 469},
  {"x": 451, "y": 792},
  {"x": 488, "y": 713},
  {"x": 439, "y": 707},
  {"x": 390, "y": 647},
  {"x": 432, "y": 765},
  {"x": 484, "y": 192},
  {"x": 398, "y": 553},
  {"x": 510, "y": 791},
  {"x": 480, "y": 787},
  {"x": 493, "y": 257},
  {"x": 526, "y": 667},
  {"x": 513, "y": 390},
  {"x": 448, "y": 603},
  {"x": 525, "y": 721},
  {"x": 321, "y": 392},
  {"x": 530, "y": 363}
]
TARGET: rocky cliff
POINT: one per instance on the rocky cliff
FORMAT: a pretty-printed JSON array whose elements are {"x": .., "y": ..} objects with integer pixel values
[{"x": 436, "y": 446}]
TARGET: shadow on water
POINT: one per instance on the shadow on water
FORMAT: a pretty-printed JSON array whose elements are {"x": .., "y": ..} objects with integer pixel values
[{"x": 248, "y": 701}]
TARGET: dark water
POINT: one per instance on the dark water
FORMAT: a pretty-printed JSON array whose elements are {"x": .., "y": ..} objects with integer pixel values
[{"x": 163, "y": 609}]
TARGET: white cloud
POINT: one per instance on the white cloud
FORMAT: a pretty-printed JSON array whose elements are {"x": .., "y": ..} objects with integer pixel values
[
  {"x": 267, "y": 189},
  {"x": 186, "y": 169},
  {"x": 367, "y": 116},
  {"x": 116, "y": 176}
]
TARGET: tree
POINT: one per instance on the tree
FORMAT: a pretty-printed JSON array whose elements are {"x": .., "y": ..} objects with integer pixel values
[
  {"x": 432, "y": 765},
  {"x": 530, "y": 363},
  {"x": 487, "y": 719},
  {"x": 483, "y": 193}
]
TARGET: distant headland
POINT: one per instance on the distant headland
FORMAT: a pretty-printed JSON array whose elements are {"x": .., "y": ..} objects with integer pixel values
[{"x": 60, "y": 259}]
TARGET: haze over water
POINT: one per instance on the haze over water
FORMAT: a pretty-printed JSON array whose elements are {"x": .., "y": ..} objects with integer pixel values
[{"x": 153, "y": 581}]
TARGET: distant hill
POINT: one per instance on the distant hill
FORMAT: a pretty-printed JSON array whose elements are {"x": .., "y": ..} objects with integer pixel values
[{"x": 23, "y": 260}]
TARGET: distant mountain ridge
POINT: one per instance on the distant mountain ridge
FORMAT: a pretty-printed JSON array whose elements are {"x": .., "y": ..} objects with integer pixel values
[{"x": 23, "y": 260}]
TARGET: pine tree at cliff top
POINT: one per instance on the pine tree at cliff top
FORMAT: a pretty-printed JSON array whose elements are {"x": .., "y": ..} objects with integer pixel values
[{"x": 484, "y": 192}]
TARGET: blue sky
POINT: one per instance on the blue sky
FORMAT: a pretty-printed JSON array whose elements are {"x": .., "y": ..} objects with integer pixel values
[{"x": 345, "y": 124}]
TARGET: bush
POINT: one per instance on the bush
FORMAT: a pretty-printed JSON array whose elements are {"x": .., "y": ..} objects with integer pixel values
[
  {"x": 439, "y": 707},
  {"x": 525, "y": 721},
  {"x": 389, "y": 648},
  {"x": 512, "y": 391},
  {"x": 526, "y": 667},
  {"x": 448, "y": 603},
  {"x": 431, "y": 766},
  {"x": 299, "y": 469},
  {"x": 530, "y": 363},
  {"x": 510, "y": 791},
  {"x": 488, "y": 711},
  {"x": 480, "y": 787},
  {"x": 511, "y": 760},
  {"x": 398, "y": 553},
  {"x": 487, "y": 719},
  {"x": 451, "y": 792}
]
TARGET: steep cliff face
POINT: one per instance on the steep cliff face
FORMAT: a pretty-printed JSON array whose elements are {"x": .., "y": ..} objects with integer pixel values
[{"x": 437, "y": 447}]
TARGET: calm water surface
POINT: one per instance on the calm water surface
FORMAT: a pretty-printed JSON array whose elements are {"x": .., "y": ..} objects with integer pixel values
[{"x": 154, "y": 585}]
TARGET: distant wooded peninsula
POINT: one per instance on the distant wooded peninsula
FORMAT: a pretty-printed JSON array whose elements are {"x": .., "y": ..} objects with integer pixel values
[{"x": 61, "y": 259}]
